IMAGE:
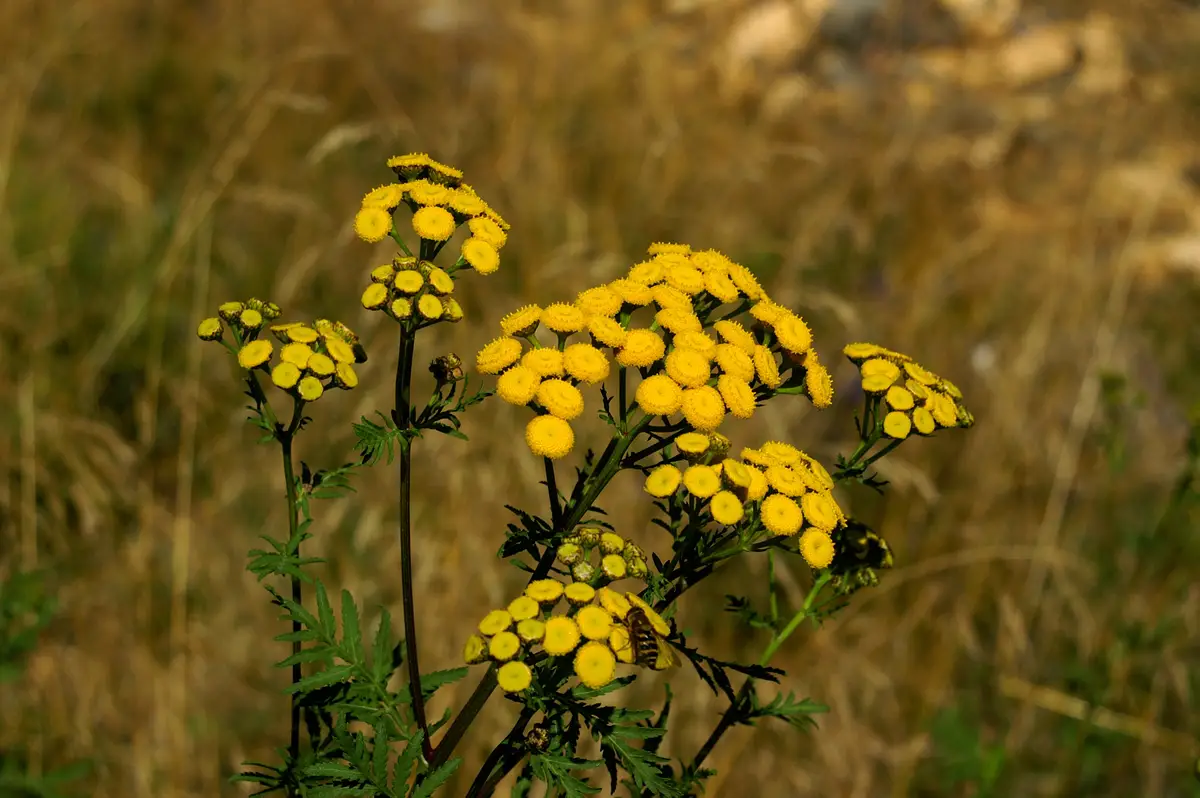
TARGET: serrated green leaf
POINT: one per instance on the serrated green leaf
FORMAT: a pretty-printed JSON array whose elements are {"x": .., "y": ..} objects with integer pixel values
[
  {"x": 403, "y": 769},
  {"x": 351, "y": 633},
  {"x": 644, "y": 768},
  {"x": 327, "y": 624},
  {"x": 305, "y": 655},
  {"x": 436, "y": 778},
  {"x": 322, "y": 678},
  {"x": 381, "y": 650}
]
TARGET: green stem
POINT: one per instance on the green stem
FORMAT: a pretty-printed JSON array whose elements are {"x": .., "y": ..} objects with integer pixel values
[
  {"x": 401, "y": 416},
  {"x": 289, "y": 478},
  {"x": 503, "y": 758}
]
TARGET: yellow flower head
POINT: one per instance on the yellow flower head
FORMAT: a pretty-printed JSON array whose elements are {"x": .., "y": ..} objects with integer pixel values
[
  {"x": 710, "y": 261},
  {"x": 781, "y": 515},
  {"x": 726, "y": 508},
  {"x": 475, "y": 650},
  {"x": 719, "y": 285},
  {"x": 451, "y": 310},
  {"x": 876, "y": 383},
  {"x": 286, "y": 375},
  {"x": 465, "y": 202},
  {"x": 943, "y": 409},
  {"x": 230, "y": 310},
  {"x": 521, "y": 322},
  {"x": 504, "y": 646},
  {"x": 380, "y": 274},
  {"x": 441, "y": 282},
  {"x": 372, "y": 224},
  {"x": 523, "y": 608},
  {"x": 700, "y": 342},
  {"x": 423, "y": 192},
  {"x": 560, "y": 398},
  {"x": 766, "y": 367},
  {"x": 786, "y": 480},
  {"x": 375, "y": 296},
  {"x": 622, "y": 646},
  {"x": 880, "y": 367},
  {"x": 611, "y": 542},
  {"x": 659, "y": 395},
  {"x": 531, "y": 630},
  {"x": 703, "y": 408},
  {"x": 922, "y": 421},
  {"x": 497, "y": 356},
  {"x": 443, "y": 173},
  {"x": 579, "y": 593},
  {"x": 586, "y": 363},
  {"x": 735, "y": 362},
  {"x": 488, "y": 231},
  {"x": 433, "y": 223},
  {"x": 816, "y": 547},
  {"x": 758, "y": 484},
  {"x": 702, "y": 481},
  {"x": 255, "y": 354},
  {"x": 899, "y": 399},
  {"x": 545, "y": 591},
  {"x": 781, "y": 452},
  {"x": 859, "y": 352},
  {"x": 594, "y": 622},
  {"x": 656, "y": 621},
  {"x": 409, "y": 166},
  {"x": 430, "y": 307},
  {"x": 480, "y": 255},
  {"x": 648, "y": 273},
  {"x": 518, "y": 385},
  {"x": 663, "y": 481},
  {"x": 563, "y": 318},
  {"x": 562, "y": 636},
  {"x": 210, "y": 329},
  {"x": 746, "y": 282},
  {"x": 736, "y": 474},
  {"x": 668, "y": 248},
  {"x": 766, "y": 311},
  {"x": 793, "y": 334},
  {"x": 693, "y": 444},
  {"x": 631, "y": 292},
  {"x": 549, "y": 436},
  {"x": 595, "y": 664},
  {"x": 606, "y": 331},
  {"x": 687, "y": 279},
  {"x": 818, "y": 383},
  {"x": 822, "y": 479},
  {"x": 616, "y": 604},
  {"x": 737, "y": 395},
  {"x": 735, "y": 334},
  {"x": 401, "y": 308},
  {"x": 513, "y": 677},
  {"x": 386, "y": 197},
  {"x": 821, "y": 511},
  {"x": 495, "y": 622},
  {"x": 321, "y": 365},
  {"x": 688, "y": 367},
  {"x": 250, "y": 319},
  {"x": 599, "y": 301},
  {"x": 678, "y": 320},
  {"x": 345, "y": 377},
  {"x": 667, "y": 297},
  {"x": 544, "y": 361},
  {"x": 408, "y": 281},
  {"x": 641, "y": 348}
]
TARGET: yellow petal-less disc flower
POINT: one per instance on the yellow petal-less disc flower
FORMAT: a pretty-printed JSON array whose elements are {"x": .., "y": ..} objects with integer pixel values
[
  {"x": 595, "y": 664},
  {"x": 737, "y": 395},
  {"x": 781, "y": 515},
  {"x": 721, "y": 286},
  {"x": 410, "y": 164},
  {"x": 495, "y": 622},
  {"x": 513, "y": 677},
  {"x": 286, "y": 375},
  {"x": 375, "y": 296},
  {"x": 545, "y": 591},
  {"x": 899, "y": 399},
  {"x": 820, "y": 510},
  {"x": 897, "y": 425},
  {"x": 345, "y": 377},
  {"x": 735, "y": 334},
  {"x": 746, "y": 282},
  {"x": 622, "y": 646},
  {"x": 736, "y": 474},
  {"x": 918, "y": 390},
  {"x": 401, "y": 308},
  {"x": 859, "y": 352},
  {"x": 668, "y": 297},
  {"x": 599, "y": 301},
  {"x": 613, "y": 566},
  {"x": 372, "y": 224},
  {"x": 783, "y": 453},
  {"x": 648, "y": 273},
  {"x": 562, "y": 636},
  {"x": 726, "y": 508},
  {"x": 443, "y": 173},
  {"x": 668, "y": 248},
  {"x": 498, "y": 355},
  {"x": 255, "y": 354},
  {"x": 693, "y": 443},
  {"x": 474, "y": 650},
  {"x": 301, "y": 334},
  {"x": 816, "y": 547},
  {"x": 544, "y": 361},
  {"x": 688, "y": 367},
  {"x": 700, "y": 342},
  {"x": 920, "y": 374},
  {"x": 430, "y": 307},
  {"x": 382, "y": 274},
  {"x": 230, "y": 310},
  {"x": 386, "y": 197},
  {"x": 823, "y": 481},
  {"x": 734, "y": 361},
  {"x": 923, "y": 421},
  {"x": 786, "y": 480},
  {"x": 881, "y": 367},
  {"x": 611, "y": 542},
  {"x": 521, "y": 322},
  {"x": 441, "y": 282},
  {"x": 310, "y": 389},
  {"x": 876, "y": 383},
  {"x": 663, "y": 481},
  {"x": 549, "y": 436},
  {"x": 616, "y": 604},
  {"x": 451, "y": 310},
  {"x": 518, "y": 385},
  {"x": 606, "y": 331},
  {"x": 531, "y": 630},
  {"x": 594, "y": 622},
  {"x": 465, "y": 202},
  {"x": 504, "y": 646},
  {"x": 703, "y": 408},
  {"x": 632, "y": 292},
  {"x": 659, "y": 395},
  {"x": 563, "y": 318},
  {"x": 818, "y": 383},
  {"x": 488, "y": 231},
  {"x": 678, "y": 320},
  {"x": 560, "y": 398},
  {"x": 641, "y": 348},
  {"x": 579, "y": 593},
  {"x": 339, "y": 350},
  {"x": 767, "y": 311},
  {"x": 943, "y": 409},
  {"x": 793, "y": 334},
  {"x": 586, "y": 363},
  {"x": 296, "y": 353},
  {"x": 210, "y": 329},
  {"x": 950, "y": 388},
  {"x": 250, "y": 319},
  {"x": 766, "y": 367},
  {"x": 481, "y": 255},
  {"x": 758, "y": 484},
  {"x": 522, "y": 608},
  {"x": 321, "y": 365},
  {"x": 433, "y": 223},
  {"x": 710, "y": 261},
  {"x": 702, "y": 481},
  {"x": 687, "y": 279}
]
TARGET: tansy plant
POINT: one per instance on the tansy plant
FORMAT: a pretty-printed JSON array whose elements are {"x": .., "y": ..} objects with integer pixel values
[{"x": 663, "y": 357}]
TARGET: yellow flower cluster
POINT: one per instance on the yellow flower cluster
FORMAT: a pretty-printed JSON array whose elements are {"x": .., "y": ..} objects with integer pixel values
[
  {"x": 412, "y": 292},
  {"x": 440, "y": 203},
  {"x": 793, "y": 491},
  {"x": 312, "y": 358},
  {"x": 592, "y": 628},
  {"x": 913, "y": 398},
  {"x": 703, "y": 372},
  {"x": 600, "y": 556}
]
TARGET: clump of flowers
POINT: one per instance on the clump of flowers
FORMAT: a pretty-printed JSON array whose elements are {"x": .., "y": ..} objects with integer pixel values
[{"x": 669, "y": 356}]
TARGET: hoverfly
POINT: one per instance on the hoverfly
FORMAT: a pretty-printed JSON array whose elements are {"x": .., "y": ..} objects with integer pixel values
[{"x": 648, "y": 631}]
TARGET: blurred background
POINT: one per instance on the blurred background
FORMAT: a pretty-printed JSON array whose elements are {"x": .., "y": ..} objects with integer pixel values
[{"x": 1007, "y": 190}]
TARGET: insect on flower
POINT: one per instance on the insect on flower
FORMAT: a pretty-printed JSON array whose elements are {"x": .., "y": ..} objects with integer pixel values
[{"x": 648, "y": 637}]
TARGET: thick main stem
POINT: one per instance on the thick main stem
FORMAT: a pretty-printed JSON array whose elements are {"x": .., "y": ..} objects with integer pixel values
[
  {"x": 401, "y": 417},
  {"x": 289, "y": 477}
]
